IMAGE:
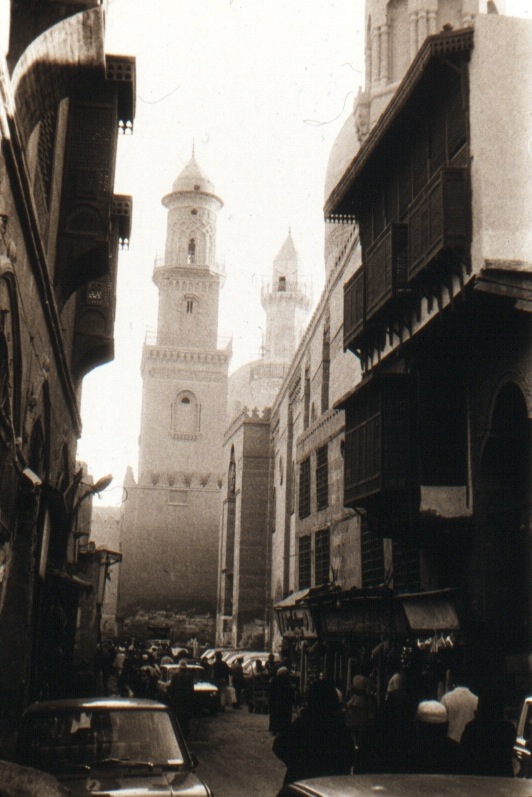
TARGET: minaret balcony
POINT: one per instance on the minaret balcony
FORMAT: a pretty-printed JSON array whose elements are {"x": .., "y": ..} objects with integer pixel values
[
  {"x": 162, "y": 261},
  {"x": 283, "y": 290}
]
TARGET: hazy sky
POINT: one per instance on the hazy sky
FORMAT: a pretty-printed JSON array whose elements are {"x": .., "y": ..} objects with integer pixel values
[{"x": 263, "y": 89}]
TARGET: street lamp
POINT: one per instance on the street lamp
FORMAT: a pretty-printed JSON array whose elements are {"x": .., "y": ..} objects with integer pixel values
[{"x": 95, "y": 489}]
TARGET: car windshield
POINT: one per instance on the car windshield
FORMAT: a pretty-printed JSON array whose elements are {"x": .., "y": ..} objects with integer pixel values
[{"x": 66, "y": 740}]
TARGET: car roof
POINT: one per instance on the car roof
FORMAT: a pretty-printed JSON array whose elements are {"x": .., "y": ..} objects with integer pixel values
[
  {"x": 409, "y": 786},
  {"x": 95, "y": 703},
  {"x": 21, "y": 781}
]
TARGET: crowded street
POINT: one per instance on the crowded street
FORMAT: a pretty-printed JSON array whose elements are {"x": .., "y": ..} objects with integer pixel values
[
  {"x": 303, "y": 233},
  {"x": 235, "y": 754}
]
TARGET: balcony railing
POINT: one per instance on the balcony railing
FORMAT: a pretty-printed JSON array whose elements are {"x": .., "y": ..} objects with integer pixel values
[
  {"x": 286, "y": 286},
  {"x": 161, "y": 261},
  {"x": 438, "y": 219},
  {"x": 379, "y": 461},
  {"x": 354, "y": 308},
  {"x": 386, "y": 267}
]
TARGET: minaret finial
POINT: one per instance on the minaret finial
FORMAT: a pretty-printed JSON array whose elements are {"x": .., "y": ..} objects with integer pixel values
[
  {"x": 193, "y": 146},
  {"x": 289, "y": 231}
]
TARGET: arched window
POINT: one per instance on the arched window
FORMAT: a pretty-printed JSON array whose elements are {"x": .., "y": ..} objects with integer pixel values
[
  {"x": 191, "y": 256},
  {"x": 186, "y": 416},
  {"x": 191, "y": 303}
]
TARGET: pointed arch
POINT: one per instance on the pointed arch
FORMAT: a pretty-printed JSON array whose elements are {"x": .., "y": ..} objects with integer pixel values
[
  {"x": 502, "y": 510},
  {"x": 185, "y": 416}
]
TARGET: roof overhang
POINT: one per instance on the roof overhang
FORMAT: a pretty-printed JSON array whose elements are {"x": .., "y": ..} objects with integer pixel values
[
  {"x": 438, "y": 46},
  {"x": 54, "y": 64}
]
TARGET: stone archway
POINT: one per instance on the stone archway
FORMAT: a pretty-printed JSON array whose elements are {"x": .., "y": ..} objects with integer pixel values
[{"x": 503, "y": 515}]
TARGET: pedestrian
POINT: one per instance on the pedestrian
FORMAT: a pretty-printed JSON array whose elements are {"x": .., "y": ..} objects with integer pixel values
[
  {"x": 358, "y": 707},
  {"x": 281, "y": 700},
  {"x": 486, "y": 746},
  {"x": 270, "y": 664},
  {"x": 180, "y": 696},
  {"x": 386, "y": 744},
  {"x": 150, "y": 675},
  {"x": 238, "y": 681},
  {"x": 461, "y": 705},
  {"x": 84, "y": 681},
  {"x": 318, "y": 742},
  {"x": 220, "y": 674},
  {"x": 431, "y": 753}
]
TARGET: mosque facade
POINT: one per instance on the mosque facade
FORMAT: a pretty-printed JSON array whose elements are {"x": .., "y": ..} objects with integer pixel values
[
  {"x": 244, "y": 530},
  {"x": 171, "y": 519}
]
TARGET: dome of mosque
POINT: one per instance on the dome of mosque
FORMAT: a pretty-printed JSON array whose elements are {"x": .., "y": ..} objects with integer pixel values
[
  {"x": 193, "y": 179},
  {"x": 343, "y": 151}
]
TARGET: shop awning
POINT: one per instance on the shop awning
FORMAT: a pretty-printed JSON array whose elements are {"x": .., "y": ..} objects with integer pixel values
[
  {"x": 292, "y": 599},
  {"x": 430, "y": 611},
  {"x": 371, "y": 614}
]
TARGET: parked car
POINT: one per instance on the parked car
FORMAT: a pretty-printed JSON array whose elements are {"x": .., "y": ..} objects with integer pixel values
[
  {"x": 406, "y": 786},
  {"x": 206, "y": 695},
  {"x": 523, "y": 742},
  {"x": 110, "y": 746},
  {"x": 18, "y": 781},
  {"x": 208, "y": 656}
]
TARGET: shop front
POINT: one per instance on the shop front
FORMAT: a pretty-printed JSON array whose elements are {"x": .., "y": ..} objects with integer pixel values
[{"x": 376, "y": 632}]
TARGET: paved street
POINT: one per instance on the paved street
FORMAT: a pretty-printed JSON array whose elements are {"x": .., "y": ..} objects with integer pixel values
[{"x": 235, "y": 753}]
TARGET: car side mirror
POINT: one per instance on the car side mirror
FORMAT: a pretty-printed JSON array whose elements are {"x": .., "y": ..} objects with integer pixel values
[{"x": 195, "y": 760}]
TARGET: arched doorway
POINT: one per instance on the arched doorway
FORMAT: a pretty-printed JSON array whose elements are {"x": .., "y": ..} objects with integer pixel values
[{"x": 503, "y": 514}]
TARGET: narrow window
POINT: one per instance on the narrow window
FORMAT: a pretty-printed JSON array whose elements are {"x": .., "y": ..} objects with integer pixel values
[
  {"x": 191, "y": 257},
  {"x": 306, "y": 398},
  {"x": 325, "y": 369},
  {"x": 304, "y": 562},
  {"x": 190, "y": 306},
  {"x": 322, "y": 478},
  {"x": 304, "y": 488},
  {"x": 372, "y": 557},
  {"x": 322, "y": 557}
]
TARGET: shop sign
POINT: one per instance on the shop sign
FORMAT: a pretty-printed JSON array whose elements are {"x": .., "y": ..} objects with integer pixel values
[{"x": 296, "y": 621}]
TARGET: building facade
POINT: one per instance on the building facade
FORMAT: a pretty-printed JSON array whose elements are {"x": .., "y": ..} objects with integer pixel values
[
  {"x": 438, "y": 315},
  {"x": 62, "y": 104},
  {"x": 405, "y": 469},
  {"x": 245, "y": 528},
  {"x": 171, "y": 520}
]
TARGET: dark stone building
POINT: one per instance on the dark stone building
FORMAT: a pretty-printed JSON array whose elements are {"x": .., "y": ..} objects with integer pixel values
[
  {"x": 171, "y": 519},
  {"x": 437, "y": 447},
  {"x": 62, "y": 104}
]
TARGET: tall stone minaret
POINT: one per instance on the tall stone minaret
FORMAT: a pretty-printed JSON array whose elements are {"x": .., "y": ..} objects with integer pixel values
[
  {"x": 286, "y": 302},
  {"x": 169, "y": 537},
  {"x": 181, "y": 412}
]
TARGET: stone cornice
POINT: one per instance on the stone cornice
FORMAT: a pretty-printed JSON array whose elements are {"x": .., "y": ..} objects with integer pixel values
[
  {"x": 325, "y": 428},
  {"x": 168, "y": 355},
  {"x": 247, "y": 416}
]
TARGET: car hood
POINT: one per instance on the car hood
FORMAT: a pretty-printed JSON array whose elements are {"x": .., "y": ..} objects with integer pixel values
[
  {"x": 123, "y": 784},
  {"x": 204, "y": 686}
]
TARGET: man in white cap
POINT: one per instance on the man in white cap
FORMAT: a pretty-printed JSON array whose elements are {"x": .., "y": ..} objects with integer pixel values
[{"x": 461, "y": 705}]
